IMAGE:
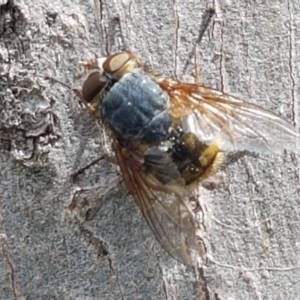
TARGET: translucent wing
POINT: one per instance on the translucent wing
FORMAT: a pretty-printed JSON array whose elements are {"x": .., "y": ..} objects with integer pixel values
[
  {"x": 235, "y": 125},
  {"x": 170, "y": 218}
]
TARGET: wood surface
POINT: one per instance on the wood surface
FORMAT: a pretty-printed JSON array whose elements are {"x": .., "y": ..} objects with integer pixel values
[{"x": 251, "y": 217}]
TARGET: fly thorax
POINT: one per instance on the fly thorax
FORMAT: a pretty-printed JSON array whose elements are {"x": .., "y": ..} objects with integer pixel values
[{"x": 137, "y": 108}]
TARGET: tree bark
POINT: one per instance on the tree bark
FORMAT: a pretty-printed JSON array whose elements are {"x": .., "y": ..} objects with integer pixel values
[{"x": 103, "y": 248}]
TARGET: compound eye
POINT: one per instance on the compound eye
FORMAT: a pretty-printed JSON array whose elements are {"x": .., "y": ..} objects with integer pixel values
[
  {"x": 115, "y": 62},
  {"x": 92, "y": 86}
]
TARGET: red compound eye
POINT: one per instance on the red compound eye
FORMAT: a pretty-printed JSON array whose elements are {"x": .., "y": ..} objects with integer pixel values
[
  {"x": 92, "y": 86},
  {"x": 115, "y": 62}
]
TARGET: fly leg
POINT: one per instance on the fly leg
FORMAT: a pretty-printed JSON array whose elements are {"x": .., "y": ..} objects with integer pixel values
[
  {"x": 105, "y": 156},
  {"x": 82, "y": 170},
  {"x": 77, "y": 92},
  {"x": 206, "y": 19},
  {"x": 88, "y": 200}
]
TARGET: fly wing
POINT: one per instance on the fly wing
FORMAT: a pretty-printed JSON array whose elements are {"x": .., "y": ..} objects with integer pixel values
[
  {"x": 167, "y": 213},
  {"x": 235, "y": 125}
]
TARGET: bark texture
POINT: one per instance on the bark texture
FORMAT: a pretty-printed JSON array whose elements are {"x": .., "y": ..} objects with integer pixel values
[{"x": 251, "y": 218}]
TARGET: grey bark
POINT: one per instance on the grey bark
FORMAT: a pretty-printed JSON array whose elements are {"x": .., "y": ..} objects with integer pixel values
[{"x": 251, "y": 218}]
